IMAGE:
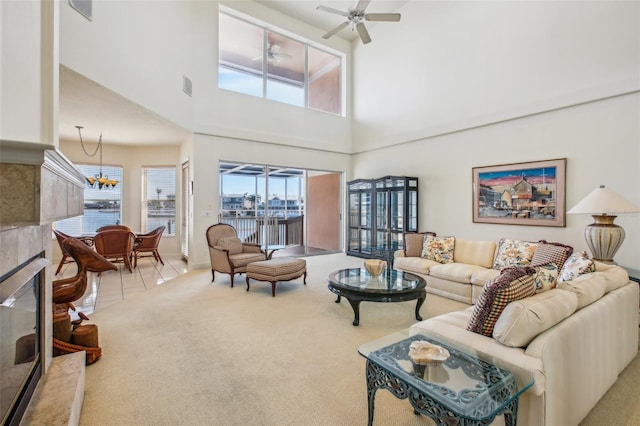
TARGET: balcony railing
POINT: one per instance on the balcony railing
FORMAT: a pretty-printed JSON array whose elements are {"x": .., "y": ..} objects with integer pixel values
[{"x": 267, "y": 231}]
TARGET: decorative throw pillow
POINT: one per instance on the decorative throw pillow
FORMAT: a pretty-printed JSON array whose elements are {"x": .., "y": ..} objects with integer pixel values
[
  {"x": 546, "y": 276},
  {"x": 413, "y": 243},
  {"x": 513, "y": 253},
  {"x": 512, "y": 284},
  {"x": 233, "y": 244},
  {"x": 577, "y": 264},
  {"x": 439, "y": 249},
  {"x": 551, "y": 252}
]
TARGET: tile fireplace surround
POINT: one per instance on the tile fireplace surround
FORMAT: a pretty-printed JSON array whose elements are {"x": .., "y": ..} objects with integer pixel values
[{"x": 38, "y": 186}]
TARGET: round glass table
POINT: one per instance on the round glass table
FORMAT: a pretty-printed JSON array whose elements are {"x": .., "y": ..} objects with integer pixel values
[{"x": 357, "y": 285}]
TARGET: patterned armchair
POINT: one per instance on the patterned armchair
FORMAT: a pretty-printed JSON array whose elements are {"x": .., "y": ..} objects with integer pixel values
[{"x": 228, "y": 253}]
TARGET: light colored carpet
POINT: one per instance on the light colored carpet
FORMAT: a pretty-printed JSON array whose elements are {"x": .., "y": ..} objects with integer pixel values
[{"x": 192, "y": 352}]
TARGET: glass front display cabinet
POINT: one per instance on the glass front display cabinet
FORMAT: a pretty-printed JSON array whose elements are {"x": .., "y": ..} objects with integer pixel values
[
  {"x": 360, "y": 226},
  {"x": 380, "y": 212}
]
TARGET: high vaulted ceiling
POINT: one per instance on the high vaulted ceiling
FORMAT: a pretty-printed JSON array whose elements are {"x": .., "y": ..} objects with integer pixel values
[{"x": 98, "y": 109}]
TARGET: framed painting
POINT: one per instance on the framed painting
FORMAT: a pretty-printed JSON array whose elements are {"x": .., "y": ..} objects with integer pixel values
[{"x": 531, "y": 193}]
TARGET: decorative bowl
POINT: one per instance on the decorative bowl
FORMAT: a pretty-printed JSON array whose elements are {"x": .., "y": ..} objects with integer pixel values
[
  {"x": 425, "y": 353},
  {"x": 375, "y": 267}
]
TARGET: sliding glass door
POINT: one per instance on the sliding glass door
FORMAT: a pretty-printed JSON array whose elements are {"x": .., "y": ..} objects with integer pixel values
[{"x": 268, "y": 205}]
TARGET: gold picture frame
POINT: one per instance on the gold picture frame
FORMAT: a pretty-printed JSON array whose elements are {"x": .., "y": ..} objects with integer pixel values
[{"x": 529, "y": 193}]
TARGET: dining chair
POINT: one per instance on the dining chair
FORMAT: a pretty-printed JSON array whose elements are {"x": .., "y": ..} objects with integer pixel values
[
  {"x": 112, "y": 227},
  {"x": 146, "y": 245},
  {"x": 116, "y": 245},
  {"x": 228, "y": 253},
  {"x": 66, "y": 256}
]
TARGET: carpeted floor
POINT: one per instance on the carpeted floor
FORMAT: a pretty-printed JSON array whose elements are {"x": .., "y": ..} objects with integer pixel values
[{"x": 192, "y": 352}]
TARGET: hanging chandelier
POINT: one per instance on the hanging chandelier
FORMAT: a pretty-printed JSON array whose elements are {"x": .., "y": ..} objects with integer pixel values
[{"x": 98, "y": 180}]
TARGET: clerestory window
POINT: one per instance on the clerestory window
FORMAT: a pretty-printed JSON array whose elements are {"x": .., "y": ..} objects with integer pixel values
[{"x": 258, "y": 60}]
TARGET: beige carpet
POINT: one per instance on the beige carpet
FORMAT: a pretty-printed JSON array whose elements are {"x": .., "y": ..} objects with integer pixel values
[{"x": 192, "y": 352}]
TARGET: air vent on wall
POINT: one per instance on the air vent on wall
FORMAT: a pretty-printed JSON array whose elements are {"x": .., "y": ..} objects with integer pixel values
[
  {"x": 187, "y": 85},
  {"x": 84, "y": 7}
]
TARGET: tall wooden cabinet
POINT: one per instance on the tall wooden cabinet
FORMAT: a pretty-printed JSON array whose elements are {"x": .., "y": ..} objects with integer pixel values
[{"x": 380, "y": 212}]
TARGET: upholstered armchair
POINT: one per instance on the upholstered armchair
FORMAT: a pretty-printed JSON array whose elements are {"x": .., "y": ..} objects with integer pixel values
[
  {"x": 228, "y": 253},
  {"x": 116, "y": 245},
  {"x": 146, "y": 245}
]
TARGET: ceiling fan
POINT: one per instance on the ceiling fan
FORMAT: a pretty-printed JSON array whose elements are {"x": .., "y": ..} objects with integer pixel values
[
  {"x": 356, "y": 18},
  {"x": 274, "y": 55}
]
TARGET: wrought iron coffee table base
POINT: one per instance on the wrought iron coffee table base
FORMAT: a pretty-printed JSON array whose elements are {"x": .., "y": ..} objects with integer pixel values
[
  {"x": 379, "y": 378},
  {"x": 355, "y": 298}
]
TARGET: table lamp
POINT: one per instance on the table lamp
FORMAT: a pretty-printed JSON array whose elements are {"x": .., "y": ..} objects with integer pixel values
[{"x": 604, "y": 237}]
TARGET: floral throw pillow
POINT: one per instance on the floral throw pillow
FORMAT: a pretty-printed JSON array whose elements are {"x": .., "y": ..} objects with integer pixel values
[
  {"x": 438, "y": 249},
  {"x": 546, "y": 277},
  {"x": 513, "y": 253},
  {"x": 577, "y": 264}
]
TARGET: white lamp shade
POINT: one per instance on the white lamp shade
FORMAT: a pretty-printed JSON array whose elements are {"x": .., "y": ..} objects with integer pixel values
[{"x": 604, "y": 201}]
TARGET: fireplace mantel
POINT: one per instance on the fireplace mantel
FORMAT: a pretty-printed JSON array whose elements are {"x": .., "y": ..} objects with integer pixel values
[{"x": 38, "y": 185}]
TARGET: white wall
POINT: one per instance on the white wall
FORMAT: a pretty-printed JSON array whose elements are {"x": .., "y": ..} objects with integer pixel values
[
  {"x": 454, "y": 65},
  {"x": 138, "y": 49},
  {"x": 485, "y": 83},
  {"x": 207, "y": 153}
]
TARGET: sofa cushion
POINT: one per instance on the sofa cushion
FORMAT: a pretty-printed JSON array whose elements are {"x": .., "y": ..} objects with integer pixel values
[
  {"x": 414, "y": 264},
  {"x": 233, "y": 244},
  {"x": 483, "y": 276},
  {"x": 522, "y": 320},
  {"x": 614, "y": 275},
  {"x": 546, "y": 276},
  {"x": 551, "y": 252},
  {"x": 513, "y": 253},
  {"x": 577, "y": 264},
  {"x": 474, "y": 252},
  {"x": 413, "y": 242},
  {"x": 439, "y": 249},
  {"x": 588, "y": 288},
  {"x": 512, "y": 284},
  {"x": 458, "y": 272}
]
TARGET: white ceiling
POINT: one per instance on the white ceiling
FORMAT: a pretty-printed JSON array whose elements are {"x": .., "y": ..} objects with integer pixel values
[{"x": 85, "y": 103}]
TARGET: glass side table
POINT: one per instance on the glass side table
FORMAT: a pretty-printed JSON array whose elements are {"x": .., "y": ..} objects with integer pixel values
[{"x": 462, "y": 390}]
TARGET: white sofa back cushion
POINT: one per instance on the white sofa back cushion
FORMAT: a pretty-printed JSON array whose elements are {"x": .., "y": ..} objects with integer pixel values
[
  {"x": 588, "y": 287},
  {"x": 475, "y": 252},
  {"x": 522, "y": 320}
]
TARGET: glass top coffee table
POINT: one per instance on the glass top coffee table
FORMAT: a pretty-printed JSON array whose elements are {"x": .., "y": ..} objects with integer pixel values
[
  {"x": 356, "y": 285},
  {"x": 461, "y": 390}
]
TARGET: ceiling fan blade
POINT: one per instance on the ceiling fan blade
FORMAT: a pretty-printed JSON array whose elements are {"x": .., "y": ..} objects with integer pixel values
[
  {"x": 336, "y": 29},
  {"x": 364, "y": 34},
  {"x": 382, "y": 17},
  {"x": 332, "y": 10},
  {"x": 362, "y": 5}
]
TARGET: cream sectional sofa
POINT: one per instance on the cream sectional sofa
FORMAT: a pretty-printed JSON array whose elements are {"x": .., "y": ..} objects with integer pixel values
[
  {"x": 460, "y": 280},
  {"x": 573, "y": 340}
]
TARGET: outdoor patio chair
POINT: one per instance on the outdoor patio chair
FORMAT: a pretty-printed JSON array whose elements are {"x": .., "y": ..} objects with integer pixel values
[
  {"x": 146, "y": 245},
  {"x": 228, "y": 253}
]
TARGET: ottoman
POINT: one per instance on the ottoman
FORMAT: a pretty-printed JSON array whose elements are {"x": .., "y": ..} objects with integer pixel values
[{"x": 278, "y": 269}]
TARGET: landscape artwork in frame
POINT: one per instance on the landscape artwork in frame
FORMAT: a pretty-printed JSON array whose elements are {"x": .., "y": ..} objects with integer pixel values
[{"x": 529, "y": 193}]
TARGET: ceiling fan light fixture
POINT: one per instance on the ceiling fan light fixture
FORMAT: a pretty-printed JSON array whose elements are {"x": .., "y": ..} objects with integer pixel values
[{"x": 356, "y": 18}]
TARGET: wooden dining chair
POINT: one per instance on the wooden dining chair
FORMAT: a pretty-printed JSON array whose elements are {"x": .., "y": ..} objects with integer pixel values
[
  {"x": 146, "y": 245},
  {"x": 112, "y": 227},
  {"x": 66, "y": 256},
  {"x": 116, "y": 245}
]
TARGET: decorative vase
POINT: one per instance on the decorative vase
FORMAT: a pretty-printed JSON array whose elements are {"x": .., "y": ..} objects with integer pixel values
[{"x": 375, "y": 267}]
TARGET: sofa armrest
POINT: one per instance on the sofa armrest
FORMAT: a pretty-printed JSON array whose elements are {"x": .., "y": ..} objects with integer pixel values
[{"x": 398, "y": 253}]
